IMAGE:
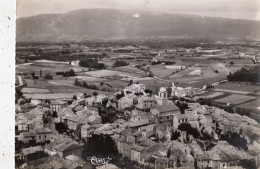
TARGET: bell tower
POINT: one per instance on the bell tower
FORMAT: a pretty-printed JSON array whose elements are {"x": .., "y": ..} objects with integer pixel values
[{"x": 162, "y": 96}]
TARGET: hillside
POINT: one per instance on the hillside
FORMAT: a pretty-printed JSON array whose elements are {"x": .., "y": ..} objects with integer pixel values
[{"x": 88, "y": 24}]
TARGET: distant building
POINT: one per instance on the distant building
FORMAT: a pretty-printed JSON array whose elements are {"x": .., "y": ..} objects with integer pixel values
[
  {"x": 164, "y": 115},
  {"x": 85, "y": 131},
  {"x": 32, "y": 153},
  {"x": 63, "y": 148},
  {"x": 75, "y": 63},
  {"x": 145, "y": 102},
  {"x": 181, "y": 92},
  {"x": 134, "y": 88},
  {"x": 42, "y": 135},
  {"x": 95, "y": 99},
  {"x": 57, "y": 105},
  {"x": 22, "y": 126}
]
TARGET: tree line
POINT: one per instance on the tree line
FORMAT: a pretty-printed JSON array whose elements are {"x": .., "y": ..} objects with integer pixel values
[{"x": 245, "y": 75}]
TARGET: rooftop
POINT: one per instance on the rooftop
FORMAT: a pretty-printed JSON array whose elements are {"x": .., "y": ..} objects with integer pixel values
[
  {"x": 167, "y": 108},
  {"x": 42, "y": 130},
  {"x": 31, "y": 150}
]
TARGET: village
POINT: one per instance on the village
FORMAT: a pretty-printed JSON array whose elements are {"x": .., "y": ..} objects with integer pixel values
[{"x": 158, "y": 130}]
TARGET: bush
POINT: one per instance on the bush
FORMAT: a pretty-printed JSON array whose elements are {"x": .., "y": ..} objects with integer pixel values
[
  {"x": 48, "y": 76},
  {"x": 120, "y": 63}
]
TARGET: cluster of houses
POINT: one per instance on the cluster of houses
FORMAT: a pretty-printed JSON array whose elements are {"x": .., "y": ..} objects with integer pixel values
[{"x": 144, "y": 135}]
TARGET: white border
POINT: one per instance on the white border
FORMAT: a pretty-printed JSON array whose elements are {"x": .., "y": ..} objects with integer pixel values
[{"x": 7, "y": 81}]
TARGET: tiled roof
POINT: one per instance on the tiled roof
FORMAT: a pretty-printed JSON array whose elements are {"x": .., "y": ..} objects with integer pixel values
[
  {"x": 58, "y": 102},
  {"x": 67, "y": 145},
  {"x": 42, "y": 130},
  {"x": 31, "y": 150},
  {"x": 166, "y": 108},
  {"x": 139, "y": 123}
]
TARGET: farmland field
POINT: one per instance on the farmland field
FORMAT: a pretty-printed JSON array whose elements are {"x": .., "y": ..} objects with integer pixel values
[
  {"x": 235, "y": 99},
  {"x": 197, "y": 76},
  {"x": 231, "y": 91},
  {"x": 239, "y": 86},
  {"x": 50, "y": 96},
  {"x": 214, "y": 94},
  {"x": 160, "y": 71},
  {"x": 251, "y": 105},
  {"x": 108, "y": 73},
  {"x": 86, "y": 78},
  {"x": 35, "y": 90},
  {"x": 175, "y": 67},
  {"x": 47, "y": 67}
]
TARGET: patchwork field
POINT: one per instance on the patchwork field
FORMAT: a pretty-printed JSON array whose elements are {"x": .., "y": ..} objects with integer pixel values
[
  {"x": 47, "y": 67},
  {"x": 86, "y": 78},
  {"x": 50, "y": 96},
  {"x": 175, "y": 67},
  {"x": 235, "y": 99},
  {"x": 35, "y": 90},
  {"x": 251, "y": 105},
  {"x": 239, "y": 86},
  {"x": 161, "y": 71},
  {"x": 213, "y": 94},
  {"x": 108, "y": 73},
  {"x": 232, "y": 91}
]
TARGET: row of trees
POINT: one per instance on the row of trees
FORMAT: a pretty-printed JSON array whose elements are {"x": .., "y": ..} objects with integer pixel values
[
  {"x": 69, "y": 73},
  {"x": 119, "y": 63},
  {"x": 92, "y": 63},
  {"x": 85, "y": 85},
  {"x": 245, "y": 75}
]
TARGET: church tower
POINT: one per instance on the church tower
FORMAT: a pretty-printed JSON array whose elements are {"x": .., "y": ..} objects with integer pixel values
[{"x": 162, "y": 96}]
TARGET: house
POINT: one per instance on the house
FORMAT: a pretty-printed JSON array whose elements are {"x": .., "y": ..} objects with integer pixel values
[
  {"x": 179, "y": 154},
  {"x": 126, "y": 101},
  {"x": 72, "y": 121},
  {"x": 32, "y": 153},
  {"x": 89, "y": 101},
  {"x": 85, "y": 131},
  {"x": 145, "y": 102},
  {"x": 42, "y": 135},
  {"x": 136, "y": 125},
  {"x": 136, "y": 152},
  {"x": 134, "y": 88},
  {"x": 22, "y": 126},
  {"x": 181, "y": 92},
  {"x": 57, "y": 105},
  {"x": 147, "y": 155},
  {"x": 223, "y": 155},
  {"x": 180, "y": 119},
  {"x": 164, "y": 115},
  {"x": 65, "y": 111},
  {"x": 63, "y": 148},
  {"x": 75, "y": 63},
  {"x": 27, "y": 138},
  {"x": 76, "y": 160}
]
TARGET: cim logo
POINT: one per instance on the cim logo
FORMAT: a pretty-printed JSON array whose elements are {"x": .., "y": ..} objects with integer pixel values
[{"x": 99, "y": 161}]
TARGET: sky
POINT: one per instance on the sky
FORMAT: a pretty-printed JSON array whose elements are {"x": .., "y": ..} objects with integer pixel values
[{"x": 236, "y": 9}]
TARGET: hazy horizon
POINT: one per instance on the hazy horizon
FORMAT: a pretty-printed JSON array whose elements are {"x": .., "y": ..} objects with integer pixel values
[{"x": 234, "y": 9}]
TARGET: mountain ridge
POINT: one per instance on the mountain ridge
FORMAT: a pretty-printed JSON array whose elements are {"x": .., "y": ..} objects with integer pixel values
[{"x": 87, "y": 24}]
